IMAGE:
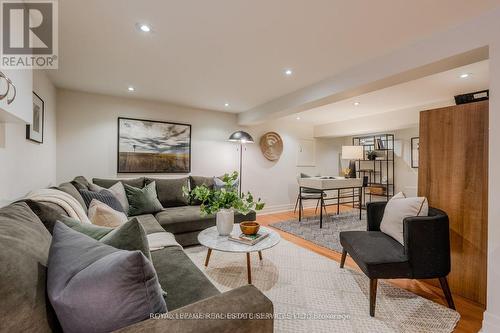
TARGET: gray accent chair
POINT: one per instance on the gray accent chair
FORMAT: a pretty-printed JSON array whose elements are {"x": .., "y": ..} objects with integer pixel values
[{"x": 425, "y": 254}]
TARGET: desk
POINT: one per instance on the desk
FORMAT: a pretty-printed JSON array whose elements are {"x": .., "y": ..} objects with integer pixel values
[{"x": 323, "y": 184}]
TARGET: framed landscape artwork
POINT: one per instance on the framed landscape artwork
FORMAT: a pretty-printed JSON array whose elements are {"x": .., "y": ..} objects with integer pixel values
[
  {"x": 34, "y": 131},
  {"x": 146, "y": 146}
]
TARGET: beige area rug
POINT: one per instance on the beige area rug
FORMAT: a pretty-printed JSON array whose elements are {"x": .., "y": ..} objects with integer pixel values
[{"x": 304, "y": 285}]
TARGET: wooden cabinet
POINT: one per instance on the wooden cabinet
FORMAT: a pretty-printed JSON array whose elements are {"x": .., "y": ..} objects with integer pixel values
[{"x": 453, "y": 175}]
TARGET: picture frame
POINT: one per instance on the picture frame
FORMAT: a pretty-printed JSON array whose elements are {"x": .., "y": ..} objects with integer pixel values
[
  {"x": 415, "y": 145},
  {"x": 151, "y": 146},
  {"x": 34, "y": 131}
]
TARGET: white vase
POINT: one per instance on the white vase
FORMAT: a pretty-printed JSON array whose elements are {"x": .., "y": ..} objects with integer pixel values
[{"x": 225, "y": 221}]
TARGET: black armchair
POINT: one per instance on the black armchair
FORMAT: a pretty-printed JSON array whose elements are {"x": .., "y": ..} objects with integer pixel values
[{"x": 425, "y": 254}]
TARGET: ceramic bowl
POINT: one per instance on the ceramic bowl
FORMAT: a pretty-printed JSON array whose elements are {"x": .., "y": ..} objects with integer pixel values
[{"x": 249, "y": 228}]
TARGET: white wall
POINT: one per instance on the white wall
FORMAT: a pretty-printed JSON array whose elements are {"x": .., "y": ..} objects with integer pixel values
[
  {"x": 25, "y": 165},
  {"x": 87, "y": 143}
]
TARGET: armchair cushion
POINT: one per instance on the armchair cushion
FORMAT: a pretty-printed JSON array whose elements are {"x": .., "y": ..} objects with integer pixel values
[
  {"x": 399, "y": 208},
  {"x": 378, "y": 255}
]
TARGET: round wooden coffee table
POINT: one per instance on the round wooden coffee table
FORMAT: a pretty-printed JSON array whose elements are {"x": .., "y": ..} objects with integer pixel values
[{"x": 211, "y": 239}]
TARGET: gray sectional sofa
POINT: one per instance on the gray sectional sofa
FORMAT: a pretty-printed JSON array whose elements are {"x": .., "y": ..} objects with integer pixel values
[{"x": 24, "y": 249}]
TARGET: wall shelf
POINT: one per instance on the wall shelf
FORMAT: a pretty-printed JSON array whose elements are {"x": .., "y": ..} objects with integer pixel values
[{"x": 380, "y": 171}]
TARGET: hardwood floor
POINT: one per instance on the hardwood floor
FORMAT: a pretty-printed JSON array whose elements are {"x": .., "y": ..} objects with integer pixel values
[{"x": 471, "y": 313}]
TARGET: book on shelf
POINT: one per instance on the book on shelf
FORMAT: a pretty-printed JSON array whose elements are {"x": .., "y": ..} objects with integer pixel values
[
  {"x": 380, "y": 144},
  {"x": 248, "y": 239}
]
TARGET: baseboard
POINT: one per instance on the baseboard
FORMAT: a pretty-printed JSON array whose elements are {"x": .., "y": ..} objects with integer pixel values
[
  {"x": 284, "y": 208},
  {"x": 491, "y": 323}
]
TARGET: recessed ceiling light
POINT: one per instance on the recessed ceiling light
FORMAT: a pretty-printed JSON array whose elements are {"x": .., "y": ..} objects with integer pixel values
[
  {"x": 298, "y": 117},
  {"x": 226, "y": 105},
  {"x": 356, "y": 103},
  {"x": 288, "y": 72},
  {"x": 144, "y": 27},
  {"x": 464, "y": 75},
  {"x": 131, "y": 89}
]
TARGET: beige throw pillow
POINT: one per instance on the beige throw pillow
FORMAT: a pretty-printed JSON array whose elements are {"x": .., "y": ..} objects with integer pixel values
[
  {"x": 105, "y": 216},
  {"x": 118, "y": 191},
  {"x": 398, "y": 208}
]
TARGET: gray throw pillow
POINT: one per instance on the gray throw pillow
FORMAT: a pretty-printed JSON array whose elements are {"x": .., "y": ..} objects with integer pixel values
[
  {"x": 103, "y": 196},
  {"x": 94, "y": 287},
  {"x": 142, "y": 200},
  {"x": 169, "y": 191}
]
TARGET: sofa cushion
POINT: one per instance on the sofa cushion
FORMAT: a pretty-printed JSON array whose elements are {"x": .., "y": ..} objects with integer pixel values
[
  {"x": 179, "y": 276},
  {"x": 107, "y": 183},
  {"x": 47, "y": 214},
  {"x": 198, "y": 181},
  {"x": 24, "y": 249},
  {"x": 82, "y": 181},
  {"x": 142, "y": 200},
  {"x": 72, "y": 190},
  {"x": 169, "y": 191},
  {"x": 188, "y": 218},
  {"x": 129, "y": 236},
  {"x": 378, "y": 255},
  {"x": 94, "y": 287},
  {"x": 149, "y": 223}
]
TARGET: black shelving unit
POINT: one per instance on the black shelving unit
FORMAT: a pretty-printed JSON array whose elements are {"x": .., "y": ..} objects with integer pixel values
[{"x": 380, "y": 171}]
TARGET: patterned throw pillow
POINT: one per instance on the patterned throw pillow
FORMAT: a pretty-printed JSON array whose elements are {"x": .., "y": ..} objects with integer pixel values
[
  {"x": 118, "y": 191},
  {"x": 103, "y": 196},
  {"x": 142, "y": 200}
]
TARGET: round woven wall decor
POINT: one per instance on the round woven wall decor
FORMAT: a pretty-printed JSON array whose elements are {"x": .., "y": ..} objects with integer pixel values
[{"x": 271, "y": 146}]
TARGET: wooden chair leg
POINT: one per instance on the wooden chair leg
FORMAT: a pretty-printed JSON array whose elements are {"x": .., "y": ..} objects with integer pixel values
[
  {"x": 342, "y": 260},
  {"x": 296, "y": 204},
  {"x": 447, "y": 293},
  {"x": 373, "y": 296}
]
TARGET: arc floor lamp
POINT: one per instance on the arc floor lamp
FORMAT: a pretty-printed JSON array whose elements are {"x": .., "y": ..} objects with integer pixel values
[{"x": 242, "y": 138}]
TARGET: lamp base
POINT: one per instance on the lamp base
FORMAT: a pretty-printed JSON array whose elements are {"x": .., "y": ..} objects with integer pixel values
[{"x": 352, "y": 167}]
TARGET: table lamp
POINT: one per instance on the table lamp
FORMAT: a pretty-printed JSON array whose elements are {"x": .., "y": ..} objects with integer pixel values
[{"x": 352, "y": 153}]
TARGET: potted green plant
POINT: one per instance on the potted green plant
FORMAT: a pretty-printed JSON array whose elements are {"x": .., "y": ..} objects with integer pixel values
[{"x": 224, "y": 201}]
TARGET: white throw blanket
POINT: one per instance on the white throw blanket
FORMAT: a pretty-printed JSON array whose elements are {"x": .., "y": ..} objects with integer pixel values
[
  {"x": 159, "y": 240},
  {"x": 70, "y": 205}
]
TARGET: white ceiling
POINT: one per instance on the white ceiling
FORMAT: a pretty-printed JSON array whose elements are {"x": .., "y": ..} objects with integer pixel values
[
  {"x": 206, "y": 53},
  {"x": 437, "y": 89}
]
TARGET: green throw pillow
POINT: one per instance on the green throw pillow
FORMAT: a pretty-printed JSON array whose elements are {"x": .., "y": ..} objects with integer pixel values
[
  {"x": 129, "y": 236},
  {"x": 91, "y": 230},
  {"x": 142, "y": 200}
]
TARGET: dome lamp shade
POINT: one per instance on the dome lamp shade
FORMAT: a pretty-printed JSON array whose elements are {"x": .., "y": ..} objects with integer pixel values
[{"x": 241, "y": 137}]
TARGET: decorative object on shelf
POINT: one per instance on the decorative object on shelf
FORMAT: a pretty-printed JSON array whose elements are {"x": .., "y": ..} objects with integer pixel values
[
  {"x": 242, "y": 138},
  {"x": 352, "y": 153},
  {"x": 223, "y": 202},
  {"x": 147, "y": 146},
  {"x": 249, "y": 228},
  {"x": 415, "y": 142},
  {"x": 9, "y": 87},
  {"x": 346, "y": 172},
  {"x": 271, "y": 146},
  {"x": 372, "y": 155},
  {"x": 378, "y": 165},
  {"x": 34, "y": 131}
]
